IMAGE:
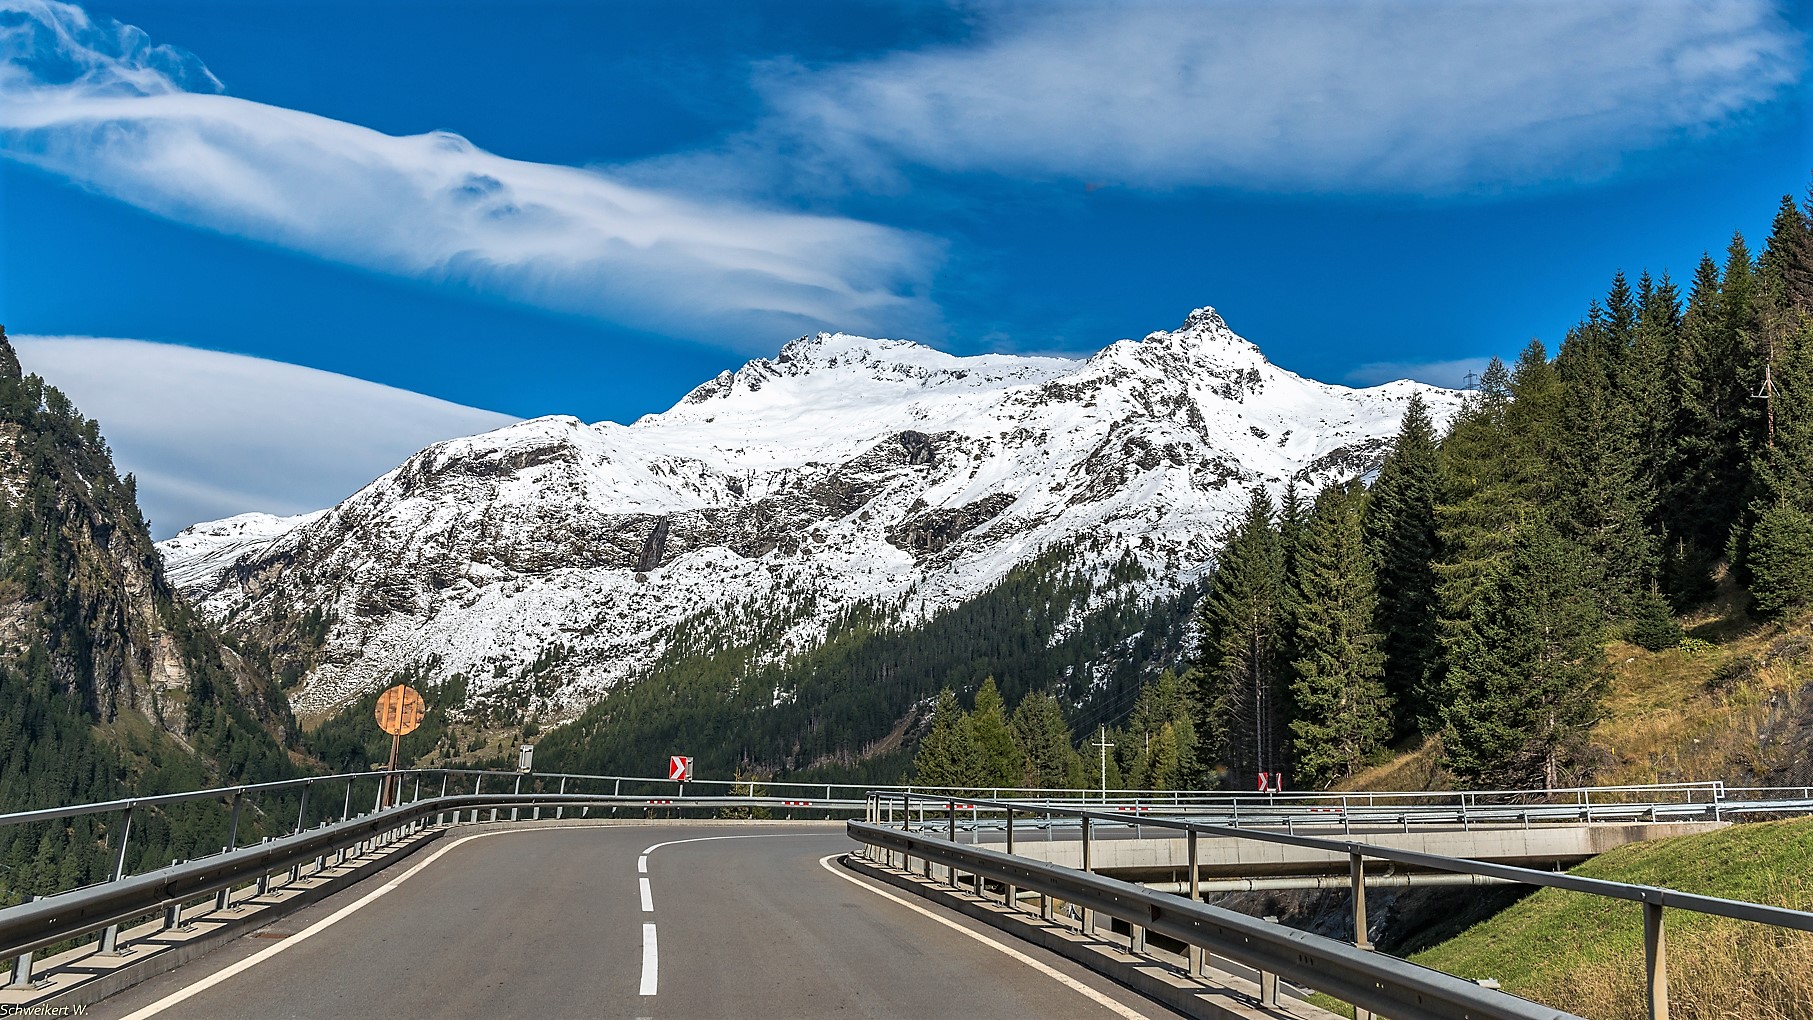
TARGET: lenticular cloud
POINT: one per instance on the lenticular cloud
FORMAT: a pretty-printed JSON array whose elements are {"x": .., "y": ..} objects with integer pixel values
[{"x": 98, "y": 103}]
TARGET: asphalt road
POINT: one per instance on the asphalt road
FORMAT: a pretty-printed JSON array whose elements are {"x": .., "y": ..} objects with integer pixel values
[{"x": 746, "y": 922}]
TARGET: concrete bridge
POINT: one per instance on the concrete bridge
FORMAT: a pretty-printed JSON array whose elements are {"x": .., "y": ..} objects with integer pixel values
[{"x": 526, "y": 903}]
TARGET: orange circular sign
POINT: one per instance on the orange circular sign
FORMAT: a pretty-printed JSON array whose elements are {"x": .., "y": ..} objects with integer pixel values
[{"x": 400, "y": 710}]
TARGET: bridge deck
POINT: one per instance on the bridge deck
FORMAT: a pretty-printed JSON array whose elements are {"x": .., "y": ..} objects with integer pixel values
[
  {"x": 1154, "y": 854},
  {"x": 550, "y": 923}
]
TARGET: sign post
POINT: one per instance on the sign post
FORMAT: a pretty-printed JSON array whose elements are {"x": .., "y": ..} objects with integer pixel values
[{"x": 400, "y": 710}]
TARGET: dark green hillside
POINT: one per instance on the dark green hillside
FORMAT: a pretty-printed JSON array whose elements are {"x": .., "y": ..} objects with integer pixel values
[
  {"x": 108, "y": 684},
  {"x": 852, "y": 707}
]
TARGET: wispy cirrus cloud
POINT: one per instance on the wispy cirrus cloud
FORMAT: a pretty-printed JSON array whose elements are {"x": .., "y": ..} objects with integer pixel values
[
  {"x": 1396, "y": 97},
  {"x": 210, "y": 435},
  {"x": 98, "y": 103}
]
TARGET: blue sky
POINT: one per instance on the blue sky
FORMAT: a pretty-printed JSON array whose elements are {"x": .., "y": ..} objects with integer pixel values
[{"x": 587, "y": 208}]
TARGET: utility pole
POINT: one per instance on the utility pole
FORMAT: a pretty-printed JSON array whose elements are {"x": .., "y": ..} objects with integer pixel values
[
  {"x": 1102, "y": 742},
  {"x": 1767, "y": 393},
  {"x": 1470, "y": 378}
]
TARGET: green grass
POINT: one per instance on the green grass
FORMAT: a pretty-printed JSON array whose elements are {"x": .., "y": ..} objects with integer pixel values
[{"x": 1585, "y": 953}]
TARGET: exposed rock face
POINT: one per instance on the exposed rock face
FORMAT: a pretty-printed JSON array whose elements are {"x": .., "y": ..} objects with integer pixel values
[
  {"x": 842, "y": 469},
  {"x": 82, "y": 586}
]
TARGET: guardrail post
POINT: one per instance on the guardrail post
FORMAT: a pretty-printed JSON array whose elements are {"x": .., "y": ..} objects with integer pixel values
[
  {"x": 223, "y": 898},
  {"x": 233, "y": 822},
  {"x": 302, "y": 809},
  {"x": 1088, "y": 914},
  {"x": 950, "y": 871},
  {"x": 1268, "y": 981},
  {"x": 1195, "y": 952},
  {"x": 1010, "y": 894},
  {"x": 111, "y": 936},
  {"x": 1655, "y": 958},
  {"x": 22, "y": 966},
  {"x": 1356, "y": 866}
]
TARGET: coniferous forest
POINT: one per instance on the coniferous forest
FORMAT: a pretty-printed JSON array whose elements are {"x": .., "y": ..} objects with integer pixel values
[
  {"x": 1580, "y": 496},
  {"x": 1467, "y": 594}
]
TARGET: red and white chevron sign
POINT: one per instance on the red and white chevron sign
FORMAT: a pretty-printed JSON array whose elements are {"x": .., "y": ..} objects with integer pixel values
[{"x": 679, "y": 768}]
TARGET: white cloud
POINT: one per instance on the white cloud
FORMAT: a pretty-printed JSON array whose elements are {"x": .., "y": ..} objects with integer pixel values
[
  {"x": 93, "y": 101},
  {"x": 1452, "y": 374},
  {"x": 210, "y": 435},
  {"x": 1404, "y": 96}
]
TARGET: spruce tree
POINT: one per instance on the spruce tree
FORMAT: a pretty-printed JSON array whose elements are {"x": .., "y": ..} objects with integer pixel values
[
  {"x": 1045, "y": 744},
  {"x": 1705, "y": 481},
  {"x": 1401, "y": 535},
  {"x": 1342, "y": 710},
  {"x": 998, "y": 760},
  {"x": 1479, "y": 510},
  {"x": 1161, "y": 736},
  {"x": 1781, "y": 560},
  {"x": 1240, "y": 623},
  {"x": 1787, "y": 260},
  {"x": 947, "y": 756},
  {"x": 1527, "y": 673},
  {"x": 1605, "y": 498}
]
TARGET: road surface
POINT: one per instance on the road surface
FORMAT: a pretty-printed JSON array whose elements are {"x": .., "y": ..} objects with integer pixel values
[{"x": 663, "y": 921}]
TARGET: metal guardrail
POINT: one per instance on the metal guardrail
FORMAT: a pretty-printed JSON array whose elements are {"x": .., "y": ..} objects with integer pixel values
[
  {"x": 1372, "y": 981},
  {"x": 1653, "y": 898},
  {"x": 1596, "y": 800}
]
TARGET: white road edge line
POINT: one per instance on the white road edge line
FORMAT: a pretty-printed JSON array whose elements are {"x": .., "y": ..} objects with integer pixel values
[
  {"x": 312, "y": 930},
  {"x": 1046, "y": 969},
  {"x": 651, "y": 961},
  {"x": 648, "y": 897}
]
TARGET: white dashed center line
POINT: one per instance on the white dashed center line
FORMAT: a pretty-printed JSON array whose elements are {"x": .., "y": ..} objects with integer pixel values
[{"x": 650, "y": 961}]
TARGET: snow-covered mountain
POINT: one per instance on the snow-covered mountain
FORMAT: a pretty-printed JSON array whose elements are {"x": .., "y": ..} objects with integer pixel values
[{"x": 840, "y": 470}]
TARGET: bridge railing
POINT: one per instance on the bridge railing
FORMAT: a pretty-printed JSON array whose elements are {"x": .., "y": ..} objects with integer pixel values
[
  {"x": 290, "y": 806},
  {"x": 1654, "y": 898}
]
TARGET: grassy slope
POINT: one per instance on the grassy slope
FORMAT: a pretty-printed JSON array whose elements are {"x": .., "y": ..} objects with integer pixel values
[
  {"x": 1585, "y": 953},
  {"x": 1734, "y": 702}
]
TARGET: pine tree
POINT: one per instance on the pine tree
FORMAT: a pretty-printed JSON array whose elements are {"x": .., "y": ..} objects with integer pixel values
[
  {"x": 1527, "y": 674},
  {"x": 1241, "y": 620},
  {"x": 1342, "y": 709},
  {"x": 1401, "y": 534},
  {"x": 998, "y": 760},
  {"x": 1047, "y": 749},
  {"x": 947, "y": 757}
]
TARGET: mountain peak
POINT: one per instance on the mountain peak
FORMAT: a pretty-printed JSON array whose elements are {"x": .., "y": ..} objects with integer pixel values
[{"x": 1204, "y": 319}]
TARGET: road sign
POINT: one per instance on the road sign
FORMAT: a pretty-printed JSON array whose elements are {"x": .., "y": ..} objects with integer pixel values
[
  {"x": 400, "y": 710},
  {"x": 679, "y": 768}
]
